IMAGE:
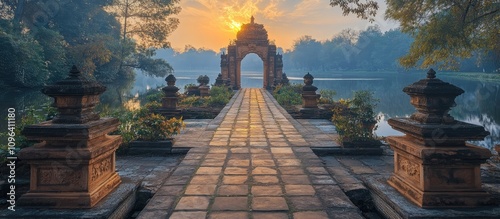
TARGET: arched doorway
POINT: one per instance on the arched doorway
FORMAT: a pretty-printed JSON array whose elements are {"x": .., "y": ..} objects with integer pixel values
[
  {"x": 252, "y": 71},
  {"x": 252, "y": 38}
]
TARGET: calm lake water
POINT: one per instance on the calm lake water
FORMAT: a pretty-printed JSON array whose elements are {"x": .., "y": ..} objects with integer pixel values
[{"x": 480, "y": 104}]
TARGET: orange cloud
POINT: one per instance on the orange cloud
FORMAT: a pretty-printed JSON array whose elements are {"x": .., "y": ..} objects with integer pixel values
[{"x": 213, "y": 23}]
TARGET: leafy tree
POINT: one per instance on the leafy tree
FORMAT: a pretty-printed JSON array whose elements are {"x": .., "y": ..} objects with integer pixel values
[
  {"x": 54, "y": 53},
  {"x": 444, "y": 31},
  {"x": 21, "y": 61},
  {"x": 147, "y": 21}
]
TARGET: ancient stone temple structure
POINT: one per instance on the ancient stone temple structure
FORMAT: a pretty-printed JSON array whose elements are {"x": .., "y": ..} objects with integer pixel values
[
  {"x": 73, "y": 166},
  {"x": 433, "y": 165},
  {"x": 252, "y": 38}
]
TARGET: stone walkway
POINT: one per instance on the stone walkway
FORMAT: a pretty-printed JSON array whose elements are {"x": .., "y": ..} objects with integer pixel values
[{"x": 257, "y": 165}]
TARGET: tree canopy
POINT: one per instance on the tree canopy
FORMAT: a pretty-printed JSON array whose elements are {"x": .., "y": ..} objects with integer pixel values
[
  {"x": 48, "y": 36},
  {"x": 444, "y": 31}
]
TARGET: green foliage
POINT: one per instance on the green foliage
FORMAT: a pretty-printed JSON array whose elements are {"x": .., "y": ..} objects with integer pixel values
[
  {"x": 365, "y": 10},
  {"x": 288, "y": 95},
  {"x": 154, "y": 95},
  {"x": 22, "y": 61},
  {"x": 444, "y": 31},
  {"x": 143, "y": 125},
  {"x": 354, "y": 119},
  {"x": 327, "y": 96},
  {"x": 84, "y": 33},
  {"x": 147, "y": 21},
  {"x": 192, "y": 101},
  {"x": 219, "y": 96},
  {"x": 155, "y": 127},
  {"x": 30, "y": 116}
]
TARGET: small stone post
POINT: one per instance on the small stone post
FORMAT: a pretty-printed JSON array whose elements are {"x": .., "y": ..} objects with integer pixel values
[
  {"x": 169, "y": 101},
  {"x": 74, "y": 165},
  {"x": 204, "y": 88},
  {"x": 309, "y": 96},
  {"x": 219, "y": 81},
  {"x": 433, "y": 166}
]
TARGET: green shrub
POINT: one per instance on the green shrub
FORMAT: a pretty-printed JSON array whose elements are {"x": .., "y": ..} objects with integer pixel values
[
  {"x": 354, "y": 119},
  {"x": 219, "y": 96},
  {"x": 192, "y": 101},
  {"x": 30, "y": 116},
  {"x": 288, "y": 95},
  {"x": 327, "y": 96},
  {"x": 155, "y": 127}
]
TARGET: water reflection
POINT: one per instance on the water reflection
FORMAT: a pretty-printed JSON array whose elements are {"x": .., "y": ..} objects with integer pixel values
[{"x": 480, "y": 104}]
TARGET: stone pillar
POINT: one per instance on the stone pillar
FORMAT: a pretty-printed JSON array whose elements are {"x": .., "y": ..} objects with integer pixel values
[
  {"x": 309, "y": 96},
  {"x": 169, "y": 101},
  {"x": 204, "y": 88},
  {"x": 74, "y": 165},
  {"x": 433, "y": 166}
]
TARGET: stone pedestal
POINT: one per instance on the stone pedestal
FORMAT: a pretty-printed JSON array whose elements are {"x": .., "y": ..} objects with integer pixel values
[
  {"x": 433, "y": 166},
  {"x": 74, "y": 165},
  {"x": 170, "y": 98},
  {"x": 204, "y": 91},
  {"x": 309, "y": 96}
]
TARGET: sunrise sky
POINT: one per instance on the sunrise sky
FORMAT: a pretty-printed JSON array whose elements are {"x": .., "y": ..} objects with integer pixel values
[{"x": 213, "y": 23}]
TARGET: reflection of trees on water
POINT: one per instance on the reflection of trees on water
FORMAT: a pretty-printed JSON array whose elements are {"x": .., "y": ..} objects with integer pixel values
[{"x": 116, "y": 95}]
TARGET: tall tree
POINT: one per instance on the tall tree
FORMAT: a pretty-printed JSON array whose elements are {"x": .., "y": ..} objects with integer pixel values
[
  {"x": 149, "y": 22},
  {"x": 444, "y": 30}
]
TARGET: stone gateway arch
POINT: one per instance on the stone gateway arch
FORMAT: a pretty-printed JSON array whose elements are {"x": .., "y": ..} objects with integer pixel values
[{"x": 252, "y": 38}]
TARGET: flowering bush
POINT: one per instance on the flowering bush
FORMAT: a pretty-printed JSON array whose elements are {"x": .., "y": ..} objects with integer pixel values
[{"x": 155, "y": 127}]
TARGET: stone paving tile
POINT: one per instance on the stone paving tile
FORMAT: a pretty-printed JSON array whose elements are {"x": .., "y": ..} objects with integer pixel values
[
  {"x": 204, "y": 180},
  {"x": 147, "y": 214},
  {"x": 310, "y": 215},
  {"x": 294, "y": 190},
  {"x": 185, "y": 215},
  {"x": 209, "y": 170},
  {"x": 161, "y": 202},
  {"x": 230, "y": 203},
  {"x": 170, "y": 190},
  {"x": 269, "y": 190},
  {"x": 233, "y": 190},
  {"x": 306, "y": 203},
  {"x": 269, "y": 215},
  {"x": 200, "y": 190},
  {"x": 234, "y": 179},
  {"x": 193, "y": 203},
  {"x": 269, "y": 204},
  {"x": 229, "y": 215},
  {"x": 296, "y": 179}
]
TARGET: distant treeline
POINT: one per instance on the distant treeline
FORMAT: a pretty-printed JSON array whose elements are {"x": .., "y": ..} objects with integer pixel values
[{"x": 367, "y": 50}]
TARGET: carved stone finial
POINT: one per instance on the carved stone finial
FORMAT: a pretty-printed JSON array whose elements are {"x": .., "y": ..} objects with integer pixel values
[
  {"x": 308, "y": 79},
  {"x": 74, "y": 72},
  {"x": 170, "y": 79},
  {"x": 431, "y": 74}
]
